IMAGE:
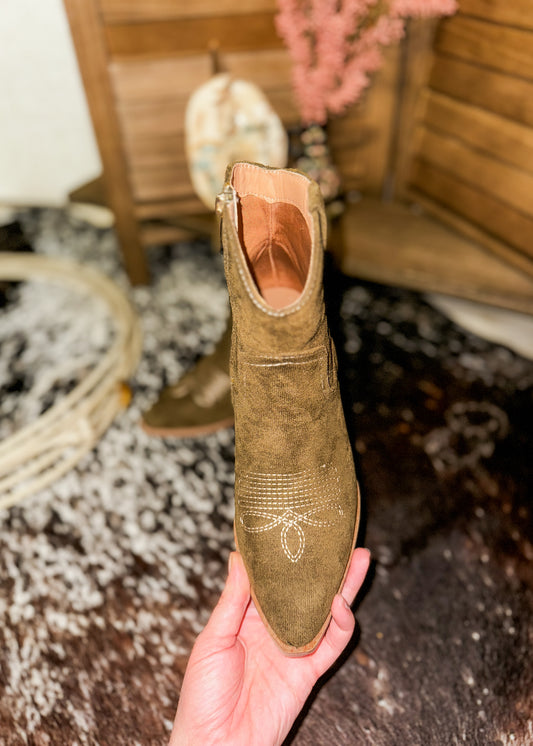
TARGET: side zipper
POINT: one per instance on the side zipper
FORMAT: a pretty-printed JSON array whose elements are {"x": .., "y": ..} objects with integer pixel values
[
  {"x": 332, "y": 364},
  {"x": 226, "y": 198}
]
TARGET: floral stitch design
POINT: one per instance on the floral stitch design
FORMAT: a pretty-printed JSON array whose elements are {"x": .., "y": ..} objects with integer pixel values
[{"x": 289, "y": 501}]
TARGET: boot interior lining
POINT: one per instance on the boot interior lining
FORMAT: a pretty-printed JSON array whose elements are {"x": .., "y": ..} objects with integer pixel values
[
  {"x": 276, "y": 243},
  {"x": 274, "y": 233}
]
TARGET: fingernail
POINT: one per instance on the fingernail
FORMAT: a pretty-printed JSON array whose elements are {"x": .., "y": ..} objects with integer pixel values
[
  {"x": 346, "y": 604},
  {"x": 231, "y": 561}
]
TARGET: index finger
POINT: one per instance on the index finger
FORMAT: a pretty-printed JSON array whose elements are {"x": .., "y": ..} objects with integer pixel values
[{"x": 356, "y": 574}]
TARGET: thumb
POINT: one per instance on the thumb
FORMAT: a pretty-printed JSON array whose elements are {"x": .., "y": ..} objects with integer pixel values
[{"x": 227, "y": 616}]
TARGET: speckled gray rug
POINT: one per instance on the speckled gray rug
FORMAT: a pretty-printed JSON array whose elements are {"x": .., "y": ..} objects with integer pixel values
[{"x": 108, "y": 576}]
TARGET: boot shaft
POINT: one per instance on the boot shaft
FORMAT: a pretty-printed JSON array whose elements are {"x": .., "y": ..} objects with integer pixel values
[{"x": 273, "y": 235}]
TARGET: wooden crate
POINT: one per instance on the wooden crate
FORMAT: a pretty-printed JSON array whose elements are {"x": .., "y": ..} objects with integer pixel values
[
  {"x": 142, "y": 59},
  {"x": 471, "y": 159},
  {"x": 448, "y": 124}
]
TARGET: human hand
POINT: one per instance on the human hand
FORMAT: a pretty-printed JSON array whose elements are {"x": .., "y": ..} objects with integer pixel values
[{"x": 239, "y": 688}]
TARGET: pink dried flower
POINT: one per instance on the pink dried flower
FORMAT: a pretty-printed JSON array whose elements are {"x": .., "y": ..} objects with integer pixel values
[{"x": 335, "y": 45}]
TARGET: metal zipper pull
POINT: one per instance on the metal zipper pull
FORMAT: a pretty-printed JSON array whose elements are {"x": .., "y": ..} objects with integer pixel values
[{"x": 228, "y": 196}]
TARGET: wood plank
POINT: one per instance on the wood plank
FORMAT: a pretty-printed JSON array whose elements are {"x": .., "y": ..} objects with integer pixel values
[
  {"x": 498, "y": 180},
  {"x": 155, "y": 234},
  {"x": 145, "y": 80},
  {"x": 505, "y": 251},
  {"x": 351, "y": 165},
  {"x": 153, "y": 94},
  {"x": 378, "y": 122},
  {"x": 508, "y": 141},
  {"x": 159, "y": 190},
  {"x": 386, "y": 242},
  {"x": 516, "y": 13},
  {"x": 92, "y": 193},
  {"x": 352, "y": 129},
  {"x": 160, "y": 157},
  {"x": 351, "y": 147},
  {"x": 167, "y": 118},
  {"x": 168, "y": 208},
  {"x": 161, "y": 119},
  {"x": 150, "y": 150},
  {"x": 165, "y": 182},
  {"x": 414, "y": 68},
  {"x": 176, "y": 171},
  {"x": 156, "y": 151},
  {"x": 124, "y": 11},
  {"x": 490, "y": 214},
  {"x": 146, "y": 87},
  {"x": 267, "y": 68},
  {"x": 490, "y": 45},
  {"x": 502, "y": 94},
  {"x": 86, "y": 33},
  {"x": 190, "y": 35},
  {"x": 169, "y": 178}
]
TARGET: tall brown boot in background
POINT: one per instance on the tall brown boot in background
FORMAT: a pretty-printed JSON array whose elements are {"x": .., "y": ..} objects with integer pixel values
[{"x": 200, "y": 403}]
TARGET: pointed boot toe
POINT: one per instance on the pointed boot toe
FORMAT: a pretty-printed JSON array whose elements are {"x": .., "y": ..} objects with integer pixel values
[
  {"x": 297, "y": 552},
  {"x": 296, "y": 495}
]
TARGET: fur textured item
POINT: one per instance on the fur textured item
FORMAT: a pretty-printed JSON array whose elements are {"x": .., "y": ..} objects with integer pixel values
[{"x": 108, "y": 576}]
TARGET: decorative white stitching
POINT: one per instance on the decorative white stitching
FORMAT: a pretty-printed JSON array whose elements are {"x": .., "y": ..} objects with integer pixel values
[{"x": 291, "y": 501}]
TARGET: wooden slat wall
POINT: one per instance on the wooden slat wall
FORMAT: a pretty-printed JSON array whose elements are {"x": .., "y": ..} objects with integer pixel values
[
  {"x": 159, "y": 54},
  {"x": 507, "y": 12},
  {"x": 511, "y": 142},
  {"x": 130, "y": 11},
  {"x": 473, "y": 146},
  {"x": 487, "y": 44},
  {"x": 187, "y": 35}
]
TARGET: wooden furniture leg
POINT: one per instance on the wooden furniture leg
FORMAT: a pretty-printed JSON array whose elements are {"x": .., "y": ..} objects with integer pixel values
[{"x": 90, "y": 46}]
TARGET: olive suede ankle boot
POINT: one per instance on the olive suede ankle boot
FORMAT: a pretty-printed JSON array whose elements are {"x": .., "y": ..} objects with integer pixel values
[{"x": 296, "y": 495}]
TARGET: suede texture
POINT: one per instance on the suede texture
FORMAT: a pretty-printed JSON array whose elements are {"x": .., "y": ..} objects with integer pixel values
[
  {"x": 200, "y": 402},
  {"x": 296, "y": 498}
]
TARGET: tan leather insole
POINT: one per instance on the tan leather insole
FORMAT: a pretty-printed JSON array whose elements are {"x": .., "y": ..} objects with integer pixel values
[{"x": 276, "y": 242}]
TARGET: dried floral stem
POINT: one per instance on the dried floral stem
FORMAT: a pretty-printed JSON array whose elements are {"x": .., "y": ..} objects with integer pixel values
[{"x": 335, "y": 45}]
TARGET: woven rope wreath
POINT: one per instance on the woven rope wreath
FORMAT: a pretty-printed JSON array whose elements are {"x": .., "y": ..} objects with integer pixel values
[{"x": 40, "y": 452}]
